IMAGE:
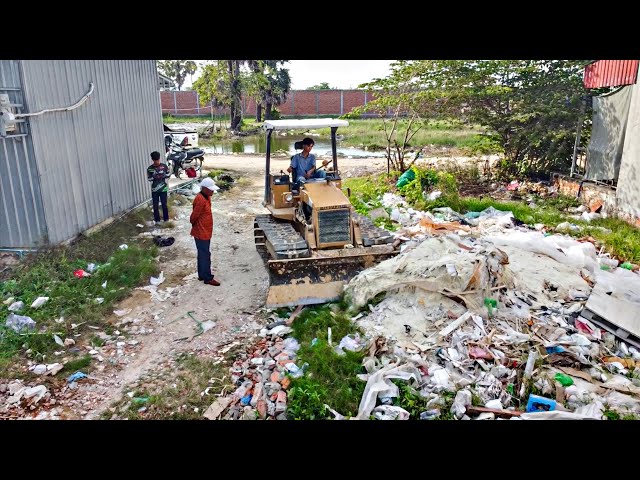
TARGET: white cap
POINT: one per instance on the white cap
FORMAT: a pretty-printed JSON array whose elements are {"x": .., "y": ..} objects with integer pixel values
[{"x": 208, "y": 183}]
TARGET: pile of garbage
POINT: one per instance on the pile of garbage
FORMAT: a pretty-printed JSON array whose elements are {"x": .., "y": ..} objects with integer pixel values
[{"x": 494, "y": 315}]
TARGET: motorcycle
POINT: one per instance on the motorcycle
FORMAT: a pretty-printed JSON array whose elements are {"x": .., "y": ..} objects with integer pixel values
[{"x": 182, "y": 159}]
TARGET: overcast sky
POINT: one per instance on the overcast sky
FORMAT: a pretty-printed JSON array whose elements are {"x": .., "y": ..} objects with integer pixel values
[{"x": 342, "y": 74}]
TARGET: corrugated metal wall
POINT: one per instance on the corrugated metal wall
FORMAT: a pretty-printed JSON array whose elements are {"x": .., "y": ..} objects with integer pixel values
[
  {"x": 628, "y": 193},
  {"x": 92, "y": 160},
  {"x": 22, "y": 222},
  {"x": 610, "y": 73}
]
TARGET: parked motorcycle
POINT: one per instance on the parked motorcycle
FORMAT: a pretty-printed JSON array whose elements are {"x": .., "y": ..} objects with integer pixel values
[{"x": 181, "y": 158}]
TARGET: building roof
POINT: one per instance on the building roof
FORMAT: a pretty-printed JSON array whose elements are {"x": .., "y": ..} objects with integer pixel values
[
  {"x": 610, "y": 73},
  {"x": 165, "y": 83}
]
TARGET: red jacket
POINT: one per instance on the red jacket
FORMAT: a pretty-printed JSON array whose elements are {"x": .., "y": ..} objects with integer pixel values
[{"x": 201, "y": 218}]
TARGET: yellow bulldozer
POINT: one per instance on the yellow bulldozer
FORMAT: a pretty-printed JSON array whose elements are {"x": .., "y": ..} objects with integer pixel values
[{"x": 312, "y": 240}]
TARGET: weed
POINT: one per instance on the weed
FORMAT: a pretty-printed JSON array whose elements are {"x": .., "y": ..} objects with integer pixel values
[
  {"x": 79, "y": 365},
  {"x": 385, "y": 223},
  {"x": 409, "y": 399},
  {"x": 96, "y": 341},
  {"x": 611, "y": 414}
]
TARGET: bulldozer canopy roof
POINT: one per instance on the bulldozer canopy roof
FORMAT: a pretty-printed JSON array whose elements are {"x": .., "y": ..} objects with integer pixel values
[{"x": 304, "y": 123}]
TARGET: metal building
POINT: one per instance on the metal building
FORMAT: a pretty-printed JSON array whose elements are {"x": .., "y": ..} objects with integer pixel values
[
  {"x": 613, "y": 154},
  {"x": 76, "y": 149}
]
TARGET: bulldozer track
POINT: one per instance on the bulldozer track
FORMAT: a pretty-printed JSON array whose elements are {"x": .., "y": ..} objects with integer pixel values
[
  {"x": 371, "y": 234},
  {"x": 278, "y": 239}
]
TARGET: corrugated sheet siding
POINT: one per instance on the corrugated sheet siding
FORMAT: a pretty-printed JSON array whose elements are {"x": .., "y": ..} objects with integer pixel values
[
  {"x": 92, "y": 160},
  {"x": 628, "y": 193},
  {"x": 610, "y": 73},
  {"x": 22, "y": 222}
]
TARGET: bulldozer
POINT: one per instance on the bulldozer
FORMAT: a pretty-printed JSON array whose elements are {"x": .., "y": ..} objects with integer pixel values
[{"x": 312, "y": 240}]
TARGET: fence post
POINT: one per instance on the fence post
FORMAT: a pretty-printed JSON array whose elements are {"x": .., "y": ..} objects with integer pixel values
[
  {"x": 579, "y": 131},
  {"x": 341, "y": 102},
  {"x": 175, "y": 105}
]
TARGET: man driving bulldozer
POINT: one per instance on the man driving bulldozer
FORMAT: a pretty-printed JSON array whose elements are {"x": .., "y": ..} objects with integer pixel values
[{"x": 304, "y": 163}]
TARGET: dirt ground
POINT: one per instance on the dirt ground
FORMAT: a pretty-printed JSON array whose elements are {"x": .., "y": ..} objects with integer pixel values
[{"x": 156, "y": 330}]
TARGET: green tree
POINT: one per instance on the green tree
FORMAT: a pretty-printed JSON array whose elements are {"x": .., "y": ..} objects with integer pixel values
[
  {"x": 532, "y": 107},
  {"x": 221, "y": 83},
  {"x": 177, "y": 70},
  {"x": 214, "y": 85},
  {"x": 321, "y": 86},
  {"x": 268, "y": 84},
  {"x": 403, "y": 111}
]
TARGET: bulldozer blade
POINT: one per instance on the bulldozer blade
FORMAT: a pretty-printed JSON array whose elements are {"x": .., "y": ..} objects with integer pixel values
[{"x": 320, "y": 278}]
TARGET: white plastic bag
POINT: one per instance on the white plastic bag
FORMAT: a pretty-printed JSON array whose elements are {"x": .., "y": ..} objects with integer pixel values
[{"x": 38, "y": 302}]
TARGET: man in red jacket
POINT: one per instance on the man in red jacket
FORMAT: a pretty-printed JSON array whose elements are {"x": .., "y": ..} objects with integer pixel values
[{"x": 202, "y": 228}]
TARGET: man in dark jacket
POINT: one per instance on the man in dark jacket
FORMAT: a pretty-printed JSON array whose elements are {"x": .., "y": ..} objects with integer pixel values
[
  {"x": 202, "y": 228},
  {"x": 157, "y": 174}
]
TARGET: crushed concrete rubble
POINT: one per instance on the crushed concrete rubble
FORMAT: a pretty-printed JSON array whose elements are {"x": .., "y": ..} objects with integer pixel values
[
  {"x": 483, "y": 317},
  {"x": 261, "y": 380}
]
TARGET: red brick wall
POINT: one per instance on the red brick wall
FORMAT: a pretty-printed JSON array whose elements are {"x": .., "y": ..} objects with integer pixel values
[
  {"x": 591, "y": 195},
  {"x": 185, "y": 103},
  {"x": 299, "y": 103},
  {"x": 354, "y": 98}
]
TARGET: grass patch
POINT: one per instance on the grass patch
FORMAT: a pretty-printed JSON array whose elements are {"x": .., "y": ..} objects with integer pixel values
[
  {"x": 385, "y": 223},
  {"x": 169, "y": 119},
  {"x": 78, "y": 365},
  {"x": 366, "y": 192},
  {"x": 330, "y": 378},
  {"x": 176, "y": 395},
  {"x": 50, "y": 273},
  {"x": 370, "y": 133},
  {"x": 611, "y": 414}
]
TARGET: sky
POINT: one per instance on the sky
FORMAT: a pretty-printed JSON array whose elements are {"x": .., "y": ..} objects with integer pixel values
[{"x": 340, "y": 74}]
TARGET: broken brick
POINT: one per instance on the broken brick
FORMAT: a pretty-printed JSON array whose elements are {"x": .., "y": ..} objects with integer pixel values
[{"x": 262, "y": 408}]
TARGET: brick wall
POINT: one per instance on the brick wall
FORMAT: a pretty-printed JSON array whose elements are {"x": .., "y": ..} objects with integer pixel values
[
  {"x": 299, "y": 103},
  {"x": 591, "y": 195}
]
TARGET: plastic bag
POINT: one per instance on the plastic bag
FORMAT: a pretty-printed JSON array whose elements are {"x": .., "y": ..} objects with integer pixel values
[
  {"x": 389, "y": 412},
  {"x": 19, "y": 322},
  {"x": 290, "y": 345},
  {"x": 406, "y": 178},
  {"x": 460, "y": 403},
  {"x": 38, "y": 302}
]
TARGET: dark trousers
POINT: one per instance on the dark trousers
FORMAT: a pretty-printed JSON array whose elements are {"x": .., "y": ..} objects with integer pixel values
[
  {"x": 204, "y": 259},
  {"x": 162, "y": 197}
]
